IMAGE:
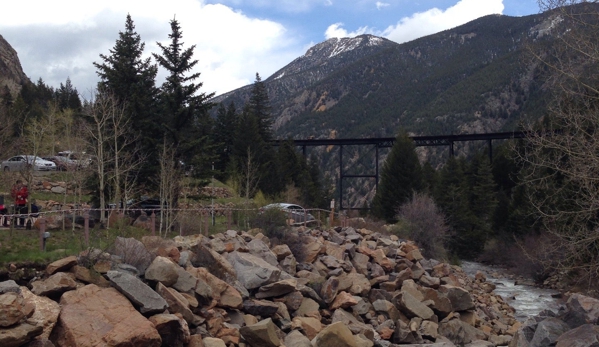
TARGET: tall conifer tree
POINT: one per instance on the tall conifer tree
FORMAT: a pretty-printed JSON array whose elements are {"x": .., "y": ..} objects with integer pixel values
[
  {"x": 125, "y": 74},
  {"x": 400, "y": 178},
  {"x": 184, "y": 109},
  {"x": 223, "y": 136}
]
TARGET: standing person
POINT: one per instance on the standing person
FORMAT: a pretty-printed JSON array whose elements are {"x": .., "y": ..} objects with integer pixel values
[{"x": 19, "y": 194}]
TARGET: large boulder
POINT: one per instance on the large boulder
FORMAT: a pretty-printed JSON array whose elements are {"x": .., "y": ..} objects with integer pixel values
[
  {"x": 412, "y": 307},
  {"x": 260, "y": 249},
  {"x": 139, "y": 293},
  {"x": 94, "y": 316},
  {"x": 261, "y": 334},
  {"x": 56, "y": 284},
  {"x": 548, "y": 331},
  {"x": 584, "y": 336},
  {"x": 277, "y": 289},
  {"x": 162, "y": 270},
  {"x": 336, "y": 334},
  {"x": 177, "y": 303},
  {"x": 88, "y": 276},
  {"x": 9, "y": 286},
  {"x": 212, "y": 287},
  {"x": 45, "y": 312},
  {"x": 252, "y": 271},
  {"x": 12, "y": 309},
  {"x": 61, "y": 265},
  {"x": 581, "y": 310},
  {"x": 460, "y": 298},
  {"x": 19, "y": 335},
  {"x": 173, "y": 330},
  {"x": 214, "y": 262},
  {"x": 186, "y": 282},
  {"x": 459, "y": 332},
  {"x": 297, "y": 339},
  {"x": 309, "y": 325},
  {"x": 263, "y": 308},
  {"x": 133, "y": 252}
]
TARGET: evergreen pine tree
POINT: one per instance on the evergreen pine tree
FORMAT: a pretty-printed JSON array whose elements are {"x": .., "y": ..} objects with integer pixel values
[
  {"x": 67, "y": 96},
  {"x": 430, "y": 178},
  {"x": 318, "y": 194},
  {"x": 223, "y": 136},
  {"x": 131, "y": 79},
  {"x": 400, "y": 178},
  {"x": 259, "y": 104},
  {"x": 184, "y": 110},
  {"x": 452, "y": 197},
  {"x": 483, "y": 199},
  {"x": 247, "y": 142}
]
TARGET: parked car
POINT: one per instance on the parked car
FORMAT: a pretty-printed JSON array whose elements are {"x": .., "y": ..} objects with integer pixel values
[
  {"x": 298, "y": 214},
  {"x": 62, "y": 163},
  {"x": 147, "y": 205},
  {"x": 80, "y": 159},
  {"x": 22, "y": 162}
]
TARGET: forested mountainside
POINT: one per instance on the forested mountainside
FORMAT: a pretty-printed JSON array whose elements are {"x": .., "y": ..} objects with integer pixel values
[{"x": 478, "y": 77}]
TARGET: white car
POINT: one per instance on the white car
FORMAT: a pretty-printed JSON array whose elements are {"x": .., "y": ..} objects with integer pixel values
[{"x": 22, "y": 162}]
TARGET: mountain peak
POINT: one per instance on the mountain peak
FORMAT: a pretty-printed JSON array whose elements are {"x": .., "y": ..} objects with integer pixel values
[
  {"x": 334, "y": 52},
  {"x": 335, "y": 46}
]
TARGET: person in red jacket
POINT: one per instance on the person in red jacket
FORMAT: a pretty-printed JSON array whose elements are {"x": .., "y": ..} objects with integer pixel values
[{"x": 19, "y": 194}]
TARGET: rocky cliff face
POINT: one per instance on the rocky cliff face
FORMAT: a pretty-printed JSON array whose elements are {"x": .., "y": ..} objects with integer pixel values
[{"x": 11, "y": 72}]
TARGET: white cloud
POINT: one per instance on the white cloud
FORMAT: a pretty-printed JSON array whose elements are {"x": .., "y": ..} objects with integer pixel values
[
  {"x": 425, "y": 23},
  {"x": 336, "y": 30},
  {"x": 436, "y": 20},
  {"x": 56, "y": 39},
  {"x": 380, "y": 5}
]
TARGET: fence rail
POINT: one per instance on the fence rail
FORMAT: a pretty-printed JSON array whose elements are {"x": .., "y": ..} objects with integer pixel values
[{"x": 82, "y": 219}]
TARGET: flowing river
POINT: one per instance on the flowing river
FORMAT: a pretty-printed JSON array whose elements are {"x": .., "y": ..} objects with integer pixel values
[{"x": 526, "y": 299}]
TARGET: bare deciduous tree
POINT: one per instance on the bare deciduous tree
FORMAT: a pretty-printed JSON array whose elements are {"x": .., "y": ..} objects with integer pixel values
[
  {"x": 561, "y": 161},
  {"x": 112, "y": 143},
  {"x": 248, "y": 179},
  {"x": 170, "y": 176}
]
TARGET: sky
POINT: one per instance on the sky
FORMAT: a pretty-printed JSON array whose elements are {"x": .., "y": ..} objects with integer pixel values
[{"x": 234, "y": 39}]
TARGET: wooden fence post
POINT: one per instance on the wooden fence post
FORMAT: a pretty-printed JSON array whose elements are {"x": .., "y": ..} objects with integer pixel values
[
  {"x": 42, "y": 231},
  {"x": 86, "y": 226}
]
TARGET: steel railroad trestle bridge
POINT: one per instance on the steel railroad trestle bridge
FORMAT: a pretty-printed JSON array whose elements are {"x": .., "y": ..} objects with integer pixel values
[{"x": 388, "y": 142}]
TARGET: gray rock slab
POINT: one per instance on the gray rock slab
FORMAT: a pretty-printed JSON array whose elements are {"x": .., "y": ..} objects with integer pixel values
[
  {"x": 139, "y": 293},
  {"x": 252, "y": 271},
  {"x": 9, "y": 286}
]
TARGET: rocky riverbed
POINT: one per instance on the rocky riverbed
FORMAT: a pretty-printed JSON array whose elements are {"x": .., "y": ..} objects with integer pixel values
[
  {"x": 527, "y": 299},
  {"x": 318, "y": 288}
]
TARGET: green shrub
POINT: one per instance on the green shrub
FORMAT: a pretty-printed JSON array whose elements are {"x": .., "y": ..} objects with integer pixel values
[{"x": 272, "y": 221}]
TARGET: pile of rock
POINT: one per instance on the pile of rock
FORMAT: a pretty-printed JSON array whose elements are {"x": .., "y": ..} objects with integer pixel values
[
  {"x": 53, "y": 187},
  {"x": 574, "y": 325},
  {"x": 215, "y": 192},
  {"x": 338, "y": 287}
]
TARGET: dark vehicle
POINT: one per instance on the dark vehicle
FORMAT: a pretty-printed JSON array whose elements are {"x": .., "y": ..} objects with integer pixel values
[
  {"x": 136, "y": 207},
  {"x": 294, "y": 213}
]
